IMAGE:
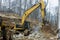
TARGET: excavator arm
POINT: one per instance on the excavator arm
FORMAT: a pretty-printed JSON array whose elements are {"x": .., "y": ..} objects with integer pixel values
[
  {"x": 42, "y": 11},
  {"x": 30, "y": 10}
]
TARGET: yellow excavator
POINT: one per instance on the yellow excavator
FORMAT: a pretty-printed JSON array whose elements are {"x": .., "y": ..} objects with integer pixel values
[{"x": 25, "y": 25}]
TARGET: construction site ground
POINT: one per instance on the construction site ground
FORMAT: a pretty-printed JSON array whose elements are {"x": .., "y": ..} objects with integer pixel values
[{"x": 35, "y": 35}]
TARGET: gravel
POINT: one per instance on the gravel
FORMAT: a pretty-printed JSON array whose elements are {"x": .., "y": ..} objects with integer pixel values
[{"x": 33, "y": 36}]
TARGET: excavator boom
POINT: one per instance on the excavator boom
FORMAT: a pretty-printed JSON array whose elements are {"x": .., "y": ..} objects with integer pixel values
[
  {"x": 42, "y": 9},
  {"x": 28, "y": 12}
]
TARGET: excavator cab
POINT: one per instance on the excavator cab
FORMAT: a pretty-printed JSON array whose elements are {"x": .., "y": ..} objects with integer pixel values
[
  {"x": 26, "y": 25},
  {"x": 25, "y": 28}
]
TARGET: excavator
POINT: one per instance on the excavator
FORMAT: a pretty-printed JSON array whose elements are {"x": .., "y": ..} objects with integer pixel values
[{"x": 25, "y": 25}]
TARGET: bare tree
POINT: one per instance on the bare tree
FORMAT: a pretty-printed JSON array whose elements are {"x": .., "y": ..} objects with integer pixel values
[{"x": 0, "y": 4}]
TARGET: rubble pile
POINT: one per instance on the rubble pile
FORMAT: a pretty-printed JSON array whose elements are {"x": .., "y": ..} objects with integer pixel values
[
  {"x": 36, "y": 34},
  {"x": 33, "y": 36}
]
